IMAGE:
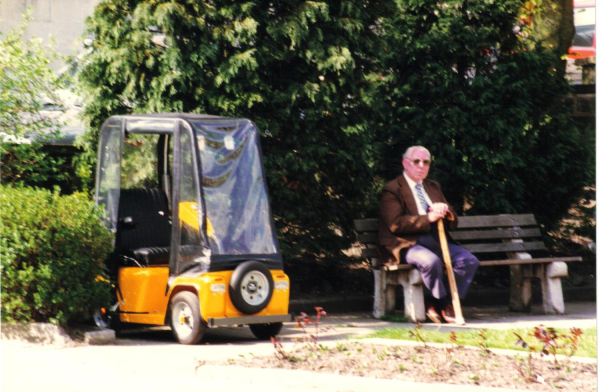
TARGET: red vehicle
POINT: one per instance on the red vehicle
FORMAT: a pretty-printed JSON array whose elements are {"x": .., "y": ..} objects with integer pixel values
[{"x": 584, "y": 17}]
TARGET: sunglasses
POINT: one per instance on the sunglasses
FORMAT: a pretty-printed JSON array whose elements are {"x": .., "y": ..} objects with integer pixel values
[{"x": 416, "y": 162}]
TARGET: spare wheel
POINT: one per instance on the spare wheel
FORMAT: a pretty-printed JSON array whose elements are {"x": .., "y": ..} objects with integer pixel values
[{"x": 251, "y": 287}]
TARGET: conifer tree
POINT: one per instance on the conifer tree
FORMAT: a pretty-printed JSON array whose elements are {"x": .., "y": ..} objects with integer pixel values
[{"x": 302, "y": 70}]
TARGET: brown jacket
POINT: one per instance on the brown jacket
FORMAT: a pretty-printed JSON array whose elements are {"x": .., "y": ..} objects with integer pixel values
[{"x": 400, "y": 223}]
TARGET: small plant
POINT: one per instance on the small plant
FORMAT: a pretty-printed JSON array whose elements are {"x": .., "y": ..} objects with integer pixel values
[
  {"x": 416, "y": 333},
  {"x": 323, "y": 348},
  {"x": 450, "y": 350},
  {"x": 525, "y": 368},
  {"x": 550, "y": 339},
  {"x": 553, "y": 341},
  {"x": 312, "y": 339},
  {"x": 304, "y": 321},
  {"x": 574, "y": 339},
  {"x": 279, "y": 352},
  {"x": 381, "y": 356},
  {"x": 482, "y": 344}
]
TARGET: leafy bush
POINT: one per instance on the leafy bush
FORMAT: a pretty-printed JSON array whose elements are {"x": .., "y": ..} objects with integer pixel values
[
  {"x": 53, "y": 252},
  {"x": 36, "y": 165}
]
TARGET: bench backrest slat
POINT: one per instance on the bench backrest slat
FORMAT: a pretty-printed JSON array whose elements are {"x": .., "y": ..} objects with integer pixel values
[
  {"x": 372, "y": 237},
  {"x": 489, "y": 221},
  {"x": 504, "y": 234},
  {"x": 366, "y": 225}
]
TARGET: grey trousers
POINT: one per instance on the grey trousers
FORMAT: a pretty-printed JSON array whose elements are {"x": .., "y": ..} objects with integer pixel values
[{"x": 426, "y": 255}]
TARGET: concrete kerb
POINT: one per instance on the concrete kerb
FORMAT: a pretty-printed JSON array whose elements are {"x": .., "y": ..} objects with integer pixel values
[{"x": 47, "y": 334}]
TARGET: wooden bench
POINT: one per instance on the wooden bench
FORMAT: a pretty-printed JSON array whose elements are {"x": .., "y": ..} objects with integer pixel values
[{"x": 497, "y": 240}]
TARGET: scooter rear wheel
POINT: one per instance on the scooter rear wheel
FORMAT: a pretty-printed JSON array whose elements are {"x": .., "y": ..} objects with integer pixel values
[
  {"x": 251, "y": 287},
  {"x": 266, "y": 331}
]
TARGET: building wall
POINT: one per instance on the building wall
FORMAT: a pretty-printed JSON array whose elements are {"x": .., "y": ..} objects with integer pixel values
[{"x": 64, "y": 20}]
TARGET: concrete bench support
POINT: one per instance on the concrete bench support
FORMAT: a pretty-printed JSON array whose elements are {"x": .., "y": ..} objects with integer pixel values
[
  {"x": 414, "y": 302},
  {"x": 386, "y": 283},
  {"x": 550, "y": 276}
]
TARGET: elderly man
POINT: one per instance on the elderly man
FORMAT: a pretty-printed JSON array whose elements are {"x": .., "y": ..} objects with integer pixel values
[{"x": 410, "y": 207}]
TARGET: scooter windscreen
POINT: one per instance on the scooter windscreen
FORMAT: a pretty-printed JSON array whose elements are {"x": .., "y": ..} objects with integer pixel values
[{"x": 234, "y": 189}]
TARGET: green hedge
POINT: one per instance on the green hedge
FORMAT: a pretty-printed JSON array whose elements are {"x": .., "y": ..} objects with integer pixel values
[{"x": 53, "y": 252}]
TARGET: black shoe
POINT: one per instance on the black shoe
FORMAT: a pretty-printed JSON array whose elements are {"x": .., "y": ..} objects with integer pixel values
[
  {"x": 432, "y": 313},
  {"x": 448, "y": 314}
]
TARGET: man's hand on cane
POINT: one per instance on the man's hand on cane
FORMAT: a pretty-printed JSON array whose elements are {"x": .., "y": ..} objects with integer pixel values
[{"x": 437, "y": 211}]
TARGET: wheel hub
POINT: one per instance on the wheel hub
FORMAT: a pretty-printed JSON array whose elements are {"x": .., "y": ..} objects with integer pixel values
[
  {"x": 255, "y": 288},
  {"x": 252, "y": 287},
  {"x": 185, "y": 318}
]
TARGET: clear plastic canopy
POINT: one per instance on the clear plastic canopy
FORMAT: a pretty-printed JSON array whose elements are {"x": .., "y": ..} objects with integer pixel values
[{"x": 235, "y": 193}]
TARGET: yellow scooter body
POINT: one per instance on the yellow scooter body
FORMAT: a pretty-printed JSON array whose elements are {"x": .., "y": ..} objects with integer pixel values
[{"x": 142, "y": 297}]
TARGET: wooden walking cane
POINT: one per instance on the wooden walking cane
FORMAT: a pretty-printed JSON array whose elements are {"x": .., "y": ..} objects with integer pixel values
[{"x": 453, "y": 289}]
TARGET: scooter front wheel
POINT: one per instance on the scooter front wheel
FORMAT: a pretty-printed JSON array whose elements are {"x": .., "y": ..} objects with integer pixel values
[{"x": 186, "y": 323}]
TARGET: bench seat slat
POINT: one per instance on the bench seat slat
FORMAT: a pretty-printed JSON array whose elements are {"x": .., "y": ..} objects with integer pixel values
[
  {"x": 370, "y": 252},
  {"x": 505, "y": 247},
  {"x": 368, "y": 238},
  {"x": 483, "y": 248},
  {"x": 540, "y": 260},
  {"x": 398, "y": 267},
  {"x": 491, "y": 263}
]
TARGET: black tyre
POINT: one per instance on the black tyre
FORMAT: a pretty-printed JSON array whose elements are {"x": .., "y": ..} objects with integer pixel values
[
  {"x": 107, "y": 318},
  {"x": 184, "y": 318},
  {"x": 266, "y": 331},
  {"x": 251, "y": 287}
]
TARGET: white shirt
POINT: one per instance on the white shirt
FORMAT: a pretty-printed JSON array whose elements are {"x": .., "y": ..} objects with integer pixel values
[{"x": 412, "y": 185}]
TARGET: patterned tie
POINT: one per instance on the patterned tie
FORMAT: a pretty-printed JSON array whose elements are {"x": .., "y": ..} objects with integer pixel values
[{"x": 424, "y": 204}]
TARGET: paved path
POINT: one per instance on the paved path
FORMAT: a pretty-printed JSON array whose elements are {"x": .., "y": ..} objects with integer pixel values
[{"x": 150, "y": 360}]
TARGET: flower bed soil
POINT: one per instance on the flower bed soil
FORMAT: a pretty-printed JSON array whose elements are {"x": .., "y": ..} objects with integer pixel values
[{"x": 427, "y": 364}]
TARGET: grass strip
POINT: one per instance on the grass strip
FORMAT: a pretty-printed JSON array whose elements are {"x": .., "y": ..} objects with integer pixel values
[{"x": 503, "y": 339}]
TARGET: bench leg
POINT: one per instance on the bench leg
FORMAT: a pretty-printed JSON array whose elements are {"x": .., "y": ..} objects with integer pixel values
[
  {"x": 390, "y": 298},
  {"x": 414, "y": 301},
  {"x": 520, "y": 288},
  {"x": 550, "y": 276},
  {"x": 379, "y": 301}
]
